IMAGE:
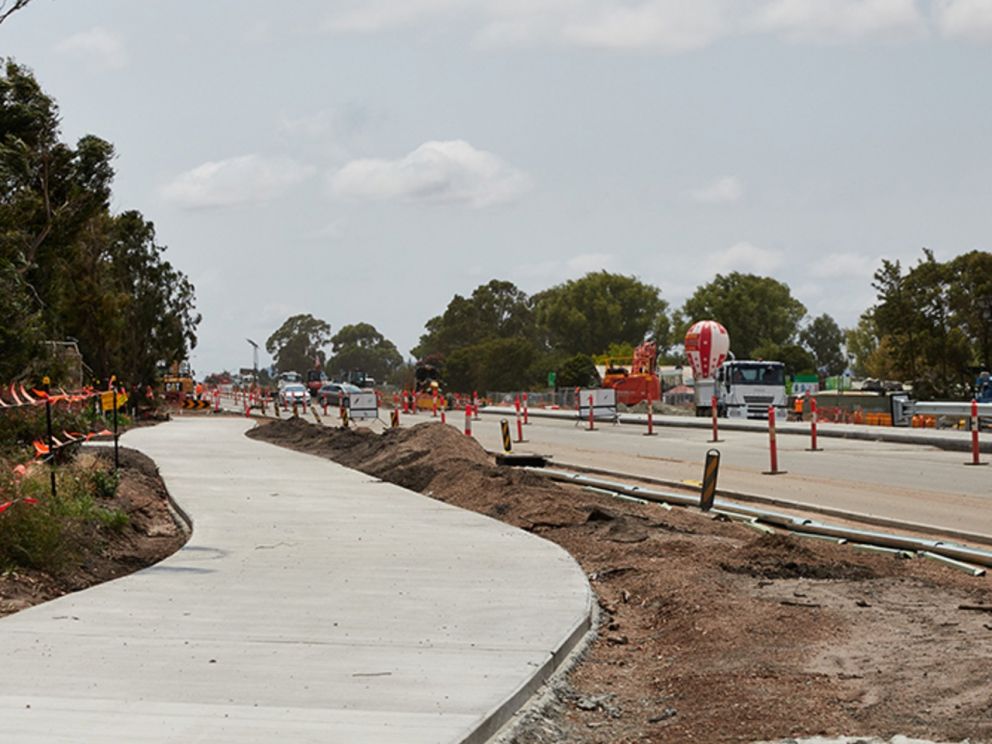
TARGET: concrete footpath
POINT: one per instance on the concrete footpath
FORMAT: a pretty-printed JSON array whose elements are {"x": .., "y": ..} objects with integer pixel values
[{"x": 312, "y": 604}]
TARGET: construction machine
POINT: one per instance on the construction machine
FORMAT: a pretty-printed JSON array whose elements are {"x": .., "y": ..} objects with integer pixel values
[
  {"x": 178, "y": 381},
  {"x": 637, "y": 381}
]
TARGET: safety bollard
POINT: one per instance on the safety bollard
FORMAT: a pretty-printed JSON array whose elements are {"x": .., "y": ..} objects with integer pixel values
[
  {"x": 772, "y": 444},
  {"x": 520, "y": 429},
  {"x": 406, "y": 404},
  {"x": 710, "y": 472},
  {"x": 812, "y": 427},
  {"x": 592, "y": 419},
  {"x": 444, "y": 419},
  {"x": 504, "y": 430},
  {"x": 516, "y": 403},
  {"x": 468, "y": 421},
  {"x": 650, "y": 431},
  {"x": 296, "y": 411},
  {"x": 526, "y": 422},
  {"x": 434, "y": 405},
  {"x": 216, "y": 401},
  {"x": 714, "y": 409},
  {"x": 975, "y": 423},
  {"x": 475, "y": 406},
  {"x": 394, "y": 419}
]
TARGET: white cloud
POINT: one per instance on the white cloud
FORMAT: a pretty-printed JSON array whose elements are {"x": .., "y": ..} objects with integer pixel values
[
  {"x": 669, "y": 26},
  {"x": 666, "y": 26},
  {"x": 97, "y": 46},
  {"x": 724, "y": 190},
  {"x": 248, "y": 179},
  {"x": 439, "y": 172},
  {"x": 746, "y": 258},
  {"x": 831, "y": 21},
  {"x": 965, "y": 19},
  {"x": 845, "y": 266},
  {"x": 587, "y": 262},
  {"x": 369, "y": 16}
]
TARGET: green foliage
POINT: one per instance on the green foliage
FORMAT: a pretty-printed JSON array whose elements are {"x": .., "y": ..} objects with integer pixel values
[
  {"x": 362, "y": 347},
  {"x": 797, "y": 360},
  {"x": 299, "y": 343},
  {"x": 933, "y": 322},
  {"x": 498, "y": 364},
  {"x": 585, "y": 316},
  {"x": 68, "y": 267},
  {"x": 755, "y": 310},
  {"x": 494, "y": 310},
  {"x": 823, "y": 338},
  {"x": 56, "y": 531},
  {"x": 104, "y": 483},
  {"x": 577, "y": 371}
]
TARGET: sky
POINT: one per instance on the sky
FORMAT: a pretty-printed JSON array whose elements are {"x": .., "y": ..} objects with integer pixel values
[{"x": 365, "y": 160}]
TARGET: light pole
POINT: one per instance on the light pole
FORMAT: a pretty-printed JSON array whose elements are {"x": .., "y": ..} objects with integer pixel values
[{"x": 254, "y": 357}]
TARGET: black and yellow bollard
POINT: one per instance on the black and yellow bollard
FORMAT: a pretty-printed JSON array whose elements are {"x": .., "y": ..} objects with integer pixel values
[
  {"x": 504, "y": 429},
  {"x": 344, "y": 417},
  {"x": 394, "y": 419},
  {"x": 710, "y": 472}
]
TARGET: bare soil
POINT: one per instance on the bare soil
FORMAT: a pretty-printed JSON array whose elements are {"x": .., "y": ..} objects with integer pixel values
[
  {"x": 151, "y": 534},
  {"x": 710, "y": 631}
]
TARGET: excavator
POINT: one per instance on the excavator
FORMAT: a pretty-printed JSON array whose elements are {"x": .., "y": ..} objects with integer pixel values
[{"x": 639, "y": 382}]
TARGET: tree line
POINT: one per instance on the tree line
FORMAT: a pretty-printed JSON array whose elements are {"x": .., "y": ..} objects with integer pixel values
[
  {"x": 70, "y": 269},
  {"x": 931, "y": 326}
]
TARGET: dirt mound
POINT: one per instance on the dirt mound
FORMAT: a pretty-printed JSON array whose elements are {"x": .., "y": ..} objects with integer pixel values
[
  {"x": 784, "y": 557},
  {"x": 709, "y": 631},
  {"x": 150, "y": 534}
]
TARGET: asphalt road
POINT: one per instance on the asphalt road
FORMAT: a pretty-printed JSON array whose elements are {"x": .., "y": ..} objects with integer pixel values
[{"x": 904, "y": 482}]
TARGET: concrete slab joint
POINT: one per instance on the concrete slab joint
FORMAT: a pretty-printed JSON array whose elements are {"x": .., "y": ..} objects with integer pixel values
[{"x": 311, "y": 604}]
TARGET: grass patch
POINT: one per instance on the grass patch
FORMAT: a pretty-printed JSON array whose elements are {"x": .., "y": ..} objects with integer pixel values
[{"x": 54, "y": 532}]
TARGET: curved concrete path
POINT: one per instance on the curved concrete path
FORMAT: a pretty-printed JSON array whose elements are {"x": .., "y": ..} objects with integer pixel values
[{"x": 312, "y": 604}]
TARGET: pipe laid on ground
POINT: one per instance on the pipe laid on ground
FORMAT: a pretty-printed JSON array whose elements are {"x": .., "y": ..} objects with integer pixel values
[{"x": 951, "y": 553}]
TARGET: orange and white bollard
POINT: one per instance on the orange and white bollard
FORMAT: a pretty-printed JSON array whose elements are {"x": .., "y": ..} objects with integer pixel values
[
  {"x": 715, "y": 409},
  {"x": 216, "y": 401},
  {"x": 974, "y": 435},
  {"x": 592, "y": 417},
  {"x": 525, "y": 410},
  {"x": 468, "y": 421},
  {"x": 650, "y": 431},
  {"x": 434, "y": 404},
  {"x": 444, "y": 418},
  {"x": 516, "y": 404},
  {"x": 812, "y": 427},
  {"x": 772, "y": 444},
  {"x": 520, "y": 428}
]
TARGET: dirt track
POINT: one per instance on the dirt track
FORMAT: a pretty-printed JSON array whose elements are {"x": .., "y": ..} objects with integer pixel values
[{"x": 712, "y": 632}]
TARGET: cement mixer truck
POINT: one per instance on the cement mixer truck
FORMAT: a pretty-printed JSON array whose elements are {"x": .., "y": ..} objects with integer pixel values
[{"x": 743, "y": 388}]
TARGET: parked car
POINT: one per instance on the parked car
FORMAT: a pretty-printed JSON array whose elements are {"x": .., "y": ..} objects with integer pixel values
[
  {"x": 294, "y": 392},
  {"x": 331, "y": 392}
]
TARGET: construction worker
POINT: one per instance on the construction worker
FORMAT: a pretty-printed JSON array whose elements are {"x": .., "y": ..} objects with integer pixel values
[{"x": 798, "y": 407}]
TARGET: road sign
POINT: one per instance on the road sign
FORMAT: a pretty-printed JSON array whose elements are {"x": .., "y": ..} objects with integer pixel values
[
  {"x": 552, "y": 379},
  {"x": 362, "y": 406},
  {"x": 107, "y": 400},
  {"x": 196, "y": 404},
  {"x": 604, "y": 403}
]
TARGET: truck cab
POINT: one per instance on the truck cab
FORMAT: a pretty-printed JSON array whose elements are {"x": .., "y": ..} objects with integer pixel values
[{"x": 746, "y": 388}]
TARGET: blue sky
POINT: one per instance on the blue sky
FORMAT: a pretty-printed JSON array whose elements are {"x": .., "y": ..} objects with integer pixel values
[{"x": 364, "y": 161}]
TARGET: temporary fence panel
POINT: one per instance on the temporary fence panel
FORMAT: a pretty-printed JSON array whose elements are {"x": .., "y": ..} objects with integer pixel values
[
  {"x": 604, "y": 403},
  {"x": 363, "y": 406}
]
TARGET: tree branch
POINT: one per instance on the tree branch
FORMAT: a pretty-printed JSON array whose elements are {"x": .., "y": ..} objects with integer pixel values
[{"x": 5, "y": 11}]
